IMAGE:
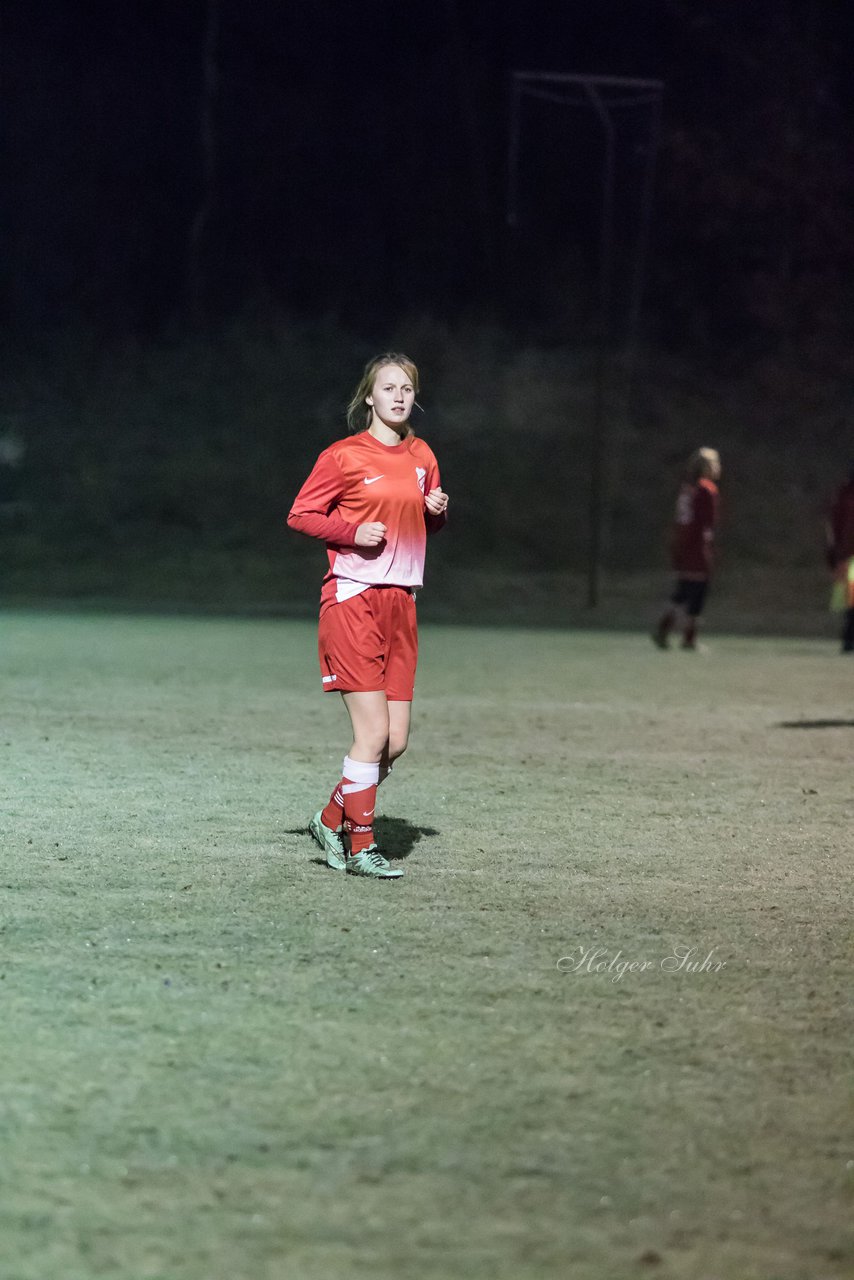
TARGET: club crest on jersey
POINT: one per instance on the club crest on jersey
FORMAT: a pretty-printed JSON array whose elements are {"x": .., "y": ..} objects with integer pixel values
[{"x": 421, "y": 473}]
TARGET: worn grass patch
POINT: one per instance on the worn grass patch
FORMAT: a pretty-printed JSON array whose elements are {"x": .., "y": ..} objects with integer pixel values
[{"x": 222, "y": 1061}]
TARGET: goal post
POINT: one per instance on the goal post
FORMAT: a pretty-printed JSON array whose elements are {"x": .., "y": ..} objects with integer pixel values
[{"x": 611, "y": 99}]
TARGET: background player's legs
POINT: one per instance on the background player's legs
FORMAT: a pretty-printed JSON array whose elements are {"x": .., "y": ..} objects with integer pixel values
[
  {"x": 670, "y": 619},
  {"x": 848, "y": 632},
  {"x": 695, "y": 598},
  {"x": 689, "y": 634}
]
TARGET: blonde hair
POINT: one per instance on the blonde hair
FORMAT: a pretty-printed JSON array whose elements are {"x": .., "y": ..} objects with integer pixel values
[
  {"x": 704, "y": 462},
  {"x": 358, "y": 412}
]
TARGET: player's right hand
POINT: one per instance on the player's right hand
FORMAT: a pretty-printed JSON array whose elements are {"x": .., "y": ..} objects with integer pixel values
[{"x": 370, "y": 534}]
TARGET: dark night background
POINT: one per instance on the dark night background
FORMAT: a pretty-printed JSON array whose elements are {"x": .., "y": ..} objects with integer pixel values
[{"x": 214, "y": 212}]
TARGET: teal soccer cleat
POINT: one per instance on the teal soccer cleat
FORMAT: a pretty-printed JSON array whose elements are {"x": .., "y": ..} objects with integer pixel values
[
  {"x": 329, "y": 841},
  {"x": 370, "y": 862}
]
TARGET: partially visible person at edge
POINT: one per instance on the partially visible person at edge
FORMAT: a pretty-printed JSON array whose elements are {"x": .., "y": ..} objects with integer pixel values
[
  {"x": 372, "y": 498},
  {"x": 692, "y": 549},
  {"x": 840, "y": 556}
]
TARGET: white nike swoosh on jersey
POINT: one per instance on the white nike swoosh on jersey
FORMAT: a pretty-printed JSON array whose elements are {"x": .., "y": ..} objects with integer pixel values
[{"x": 372, "y": 479}]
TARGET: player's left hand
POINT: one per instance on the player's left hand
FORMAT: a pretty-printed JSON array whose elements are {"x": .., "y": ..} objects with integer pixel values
[{"x": 436, "y": 502}]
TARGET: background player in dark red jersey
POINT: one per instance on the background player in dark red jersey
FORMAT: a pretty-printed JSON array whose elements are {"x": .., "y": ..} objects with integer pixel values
[
  {"x": 372, "y": 498},
  {"x": 840, "y": 556},
  {"x": 691, "y": 548}
]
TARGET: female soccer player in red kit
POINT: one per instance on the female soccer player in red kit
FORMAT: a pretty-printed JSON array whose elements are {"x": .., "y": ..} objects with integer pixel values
[
  {"x": 372, "y": 497},
  {"x": 691, "y": 547}
]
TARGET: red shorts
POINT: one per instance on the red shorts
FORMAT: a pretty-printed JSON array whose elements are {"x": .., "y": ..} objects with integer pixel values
[{"x": 370, "y": 642}]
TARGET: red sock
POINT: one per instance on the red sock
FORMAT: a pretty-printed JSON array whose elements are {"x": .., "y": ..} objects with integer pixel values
[
  {"x": 359, "y": 789},
  {"x": 333, "y": 815},
  {"x": 690, "y": 636}
]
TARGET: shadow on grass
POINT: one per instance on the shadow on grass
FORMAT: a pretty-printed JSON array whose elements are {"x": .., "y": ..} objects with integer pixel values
[
  {"x": 397, "y": 837},
  {"x": 816, "y": 724}
]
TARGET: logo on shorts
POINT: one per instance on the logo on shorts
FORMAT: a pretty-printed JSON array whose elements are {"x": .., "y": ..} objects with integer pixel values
[
  {"x": 421, "y": 473},
  {"x": 328, "y": 679},
  {"x": 372, "y": 479}
]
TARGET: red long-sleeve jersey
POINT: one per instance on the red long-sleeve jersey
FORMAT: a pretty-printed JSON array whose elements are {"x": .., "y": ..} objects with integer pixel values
[
  {"x": 360, "y": 480},
  {"x": 693, "y": 529}
]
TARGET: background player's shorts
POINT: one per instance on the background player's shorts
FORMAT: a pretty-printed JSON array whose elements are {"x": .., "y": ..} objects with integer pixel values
[
  {"x": 691, "y": 595},
  {"x": 370, "y": 642}
]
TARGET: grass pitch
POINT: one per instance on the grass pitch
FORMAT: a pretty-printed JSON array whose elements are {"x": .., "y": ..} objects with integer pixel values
[{"x": 601, "y": 1029}]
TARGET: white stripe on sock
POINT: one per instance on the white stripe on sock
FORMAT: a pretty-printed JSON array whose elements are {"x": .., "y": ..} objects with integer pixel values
[{"x": 359, "y": 774}]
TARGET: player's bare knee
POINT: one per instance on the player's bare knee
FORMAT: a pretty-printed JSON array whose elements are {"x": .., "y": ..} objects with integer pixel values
[{"x": 370, "y": 744}]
